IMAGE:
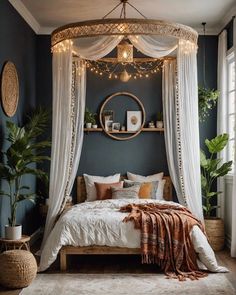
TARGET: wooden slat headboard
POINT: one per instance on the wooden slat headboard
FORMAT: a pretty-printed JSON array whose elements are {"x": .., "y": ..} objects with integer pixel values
[{"x": 81, "y": 189}]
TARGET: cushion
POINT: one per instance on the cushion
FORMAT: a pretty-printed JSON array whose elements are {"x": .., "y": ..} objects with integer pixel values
[
  {"x": 147, "y": 189},
  {"x": 154, "y": 177},
  {"x": 125, "y": 193},
  {"x": 104, "y": 189},
  {"x": 90, "y": 186}
]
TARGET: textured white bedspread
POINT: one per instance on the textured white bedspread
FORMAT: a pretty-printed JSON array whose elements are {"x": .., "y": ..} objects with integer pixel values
[{"x": 100, "y": 223}]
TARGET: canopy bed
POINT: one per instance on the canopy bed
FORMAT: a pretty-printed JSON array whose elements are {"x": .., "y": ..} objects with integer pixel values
[{"x": 72, "y": 45}]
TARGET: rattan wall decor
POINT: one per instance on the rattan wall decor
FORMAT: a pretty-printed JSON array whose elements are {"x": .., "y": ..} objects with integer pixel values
[
  {"x": 135, "y": 98},
  {"x": 9, "y": 89}
]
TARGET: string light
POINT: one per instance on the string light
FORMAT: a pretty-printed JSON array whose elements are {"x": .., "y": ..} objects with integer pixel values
[{"x": 138, "y": 69}]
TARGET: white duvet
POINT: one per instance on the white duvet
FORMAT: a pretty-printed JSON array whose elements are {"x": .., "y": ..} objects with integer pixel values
[{"x": 101, "y": 223}]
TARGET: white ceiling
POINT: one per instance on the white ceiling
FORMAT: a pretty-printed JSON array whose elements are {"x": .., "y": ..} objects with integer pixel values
[{"x": 46, "y": 15}]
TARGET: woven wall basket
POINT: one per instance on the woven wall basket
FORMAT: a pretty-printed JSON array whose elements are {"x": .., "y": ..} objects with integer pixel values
[
  {"x": 9, "y": 89},
  {"x": 18, "y": 268}
]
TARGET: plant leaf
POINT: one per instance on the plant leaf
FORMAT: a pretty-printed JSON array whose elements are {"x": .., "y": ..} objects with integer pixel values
[
  {"x": 203, "y": 160},
  {"x": 218, "y": 143}
]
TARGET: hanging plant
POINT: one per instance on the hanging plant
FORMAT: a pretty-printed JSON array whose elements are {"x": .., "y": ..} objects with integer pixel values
[{"x": 207, "y": 99}]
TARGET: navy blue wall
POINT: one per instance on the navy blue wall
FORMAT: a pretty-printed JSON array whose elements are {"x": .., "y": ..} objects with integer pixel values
[
  {"x": 18, "y": 44},
  {"x": 208, "y": 128}
]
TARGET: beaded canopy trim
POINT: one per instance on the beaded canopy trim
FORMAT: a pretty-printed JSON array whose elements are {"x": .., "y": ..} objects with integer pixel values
[{"x": 127, "y": 26}]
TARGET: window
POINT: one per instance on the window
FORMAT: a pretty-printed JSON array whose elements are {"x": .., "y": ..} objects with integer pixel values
[{"x": 231, "y": 106}]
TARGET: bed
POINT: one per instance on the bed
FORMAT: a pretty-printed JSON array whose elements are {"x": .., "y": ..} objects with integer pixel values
[
  {"x": 104, "y": 250},
  {"x": 97, "y": 228}
]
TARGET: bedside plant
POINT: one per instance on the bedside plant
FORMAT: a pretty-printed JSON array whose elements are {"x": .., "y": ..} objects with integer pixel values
[
  {"x": 90, "y": 119},
  {"x": 211, "y": 169},
  {"x": 159, "y": 122},
  {"x": 207, "y": 99},
  {"x": 25, "y": 149}
]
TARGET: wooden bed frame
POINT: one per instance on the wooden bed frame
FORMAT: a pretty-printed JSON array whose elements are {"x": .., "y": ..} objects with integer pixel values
[{"x": 103, "y": 250}]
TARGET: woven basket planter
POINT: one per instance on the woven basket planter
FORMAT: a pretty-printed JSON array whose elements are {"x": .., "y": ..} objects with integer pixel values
[
  {"x": 215, "y": 232},
  {"x": 18, "y": 268}
]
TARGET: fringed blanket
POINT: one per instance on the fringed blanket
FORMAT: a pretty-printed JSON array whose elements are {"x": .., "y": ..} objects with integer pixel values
[{"x": 165, "y": 238}]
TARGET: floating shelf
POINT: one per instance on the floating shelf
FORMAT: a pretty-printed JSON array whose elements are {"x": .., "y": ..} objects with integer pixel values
[{"x": 124, "y": 132}]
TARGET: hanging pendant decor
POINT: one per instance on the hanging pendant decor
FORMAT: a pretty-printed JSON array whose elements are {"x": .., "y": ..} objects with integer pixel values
[{"x": 9, "y": 89}]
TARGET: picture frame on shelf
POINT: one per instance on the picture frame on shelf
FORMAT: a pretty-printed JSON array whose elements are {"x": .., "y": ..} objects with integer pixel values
[
  {"x": 134, "y": 120},
  {"x": 108, "y": 125},
  {"x": 116, "y": 127},
  {"x": 107, "y": 115}
]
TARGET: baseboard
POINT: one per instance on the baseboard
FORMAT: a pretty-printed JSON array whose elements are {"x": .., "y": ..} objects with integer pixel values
[{"x": 36, "y": 235}]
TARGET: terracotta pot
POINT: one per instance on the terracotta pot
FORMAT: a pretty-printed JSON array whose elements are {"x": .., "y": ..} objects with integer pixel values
[
  {"x": 215, "y": 233},
  {"x": 13, "y": 232}
]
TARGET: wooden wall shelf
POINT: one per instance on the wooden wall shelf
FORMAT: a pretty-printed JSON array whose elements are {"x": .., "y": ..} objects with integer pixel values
[{"x": 124, "y": 132}]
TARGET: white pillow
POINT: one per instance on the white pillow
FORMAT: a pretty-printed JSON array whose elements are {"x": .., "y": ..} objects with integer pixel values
[
  {"x": 136, "y": 177},
  {"x": 154, "y": 177},
  {"x": 90, "y": 186}
]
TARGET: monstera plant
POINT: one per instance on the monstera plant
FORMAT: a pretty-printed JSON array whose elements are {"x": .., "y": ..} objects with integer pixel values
[
  {"x": 26, "y": 149},
  {"x": 211, "y": 169}
]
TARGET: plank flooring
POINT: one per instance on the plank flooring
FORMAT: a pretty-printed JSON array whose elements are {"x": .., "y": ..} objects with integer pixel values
[{"x": 124, "y": 264}]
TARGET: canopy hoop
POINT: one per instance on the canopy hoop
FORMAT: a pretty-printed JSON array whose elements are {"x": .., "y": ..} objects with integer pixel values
[{"x": 123, "y": 27}]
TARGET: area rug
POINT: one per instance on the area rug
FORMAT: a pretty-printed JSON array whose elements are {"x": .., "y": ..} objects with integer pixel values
[{"x": 126, "y": 284}]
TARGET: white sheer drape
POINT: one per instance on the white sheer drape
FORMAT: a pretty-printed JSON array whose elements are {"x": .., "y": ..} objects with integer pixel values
[
  {"x": 222, "y": 109},
  {"x": 170, "y": 122},
  {"x": 93, "y": 48},
  {"x": 69, "y": 88},
  {"x": 233, "y": 235},
  {"x": 188, "y": 127},
  {"x": 180, "y": 107},
  {"x": 154, "y": 46}
]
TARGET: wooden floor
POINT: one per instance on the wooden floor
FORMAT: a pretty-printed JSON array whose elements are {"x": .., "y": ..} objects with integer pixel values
[{"x": 124, "y": 264}]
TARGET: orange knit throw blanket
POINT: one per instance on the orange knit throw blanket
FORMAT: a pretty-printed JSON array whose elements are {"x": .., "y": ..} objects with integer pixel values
[{"x": 165, "y": 238}]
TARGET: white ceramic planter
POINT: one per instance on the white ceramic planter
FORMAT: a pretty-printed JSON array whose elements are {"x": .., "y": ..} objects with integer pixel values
[
  {"x": 159, "y": 124},
  {"x": 95, "y": 126},
  {"x": 88, "y": 125},
  {"x": 13, "y": 232}
]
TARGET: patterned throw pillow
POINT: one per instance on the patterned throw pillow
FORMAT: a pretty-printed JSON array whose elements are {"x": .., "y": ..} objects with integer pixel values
[
  {"x": 148, "y": 190},
  {"x": 153, "y": 177},
  {"x": 104, "y": 189},
  {"x": 125, "y": 193}
]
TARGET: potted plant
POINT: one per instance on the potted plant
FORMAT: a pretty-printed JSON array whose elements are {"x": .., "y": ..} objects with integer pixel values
[
  {"x": 24, "y": 152},
  {"x": 211, "y": 169},
  {"x": 159, "y": 122},
  {"x": 207, "y": 99},
  {"x": 90, "y": 119}
]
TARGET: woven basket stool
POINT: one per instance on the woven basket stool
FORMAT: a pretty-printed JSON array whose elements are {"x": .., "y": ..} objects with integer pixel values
[{"x": 18, "y": 268}]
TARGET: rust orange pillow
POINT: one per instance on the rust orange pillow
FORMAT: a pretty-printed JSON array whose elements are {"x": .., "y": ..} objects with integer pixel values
[
  {"x": 104, "y": 189},
  {"x": 145, "y": 191}
]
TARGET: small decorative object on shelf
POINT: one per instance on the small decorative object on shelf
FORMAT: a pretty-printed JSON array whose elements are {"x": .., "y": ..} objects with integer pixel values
[
  {"x": 151, "y": 124},
  {"x": 89, "y": 118},
  {"x": 123, "y": 128},
  {"x": 108, "y": 125},
  {"x": 95, "y": 126},
  {"x": 115, "y": 127},
  {"x": 159, "y": 122},
  {"x": 134, "y": 120}
]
